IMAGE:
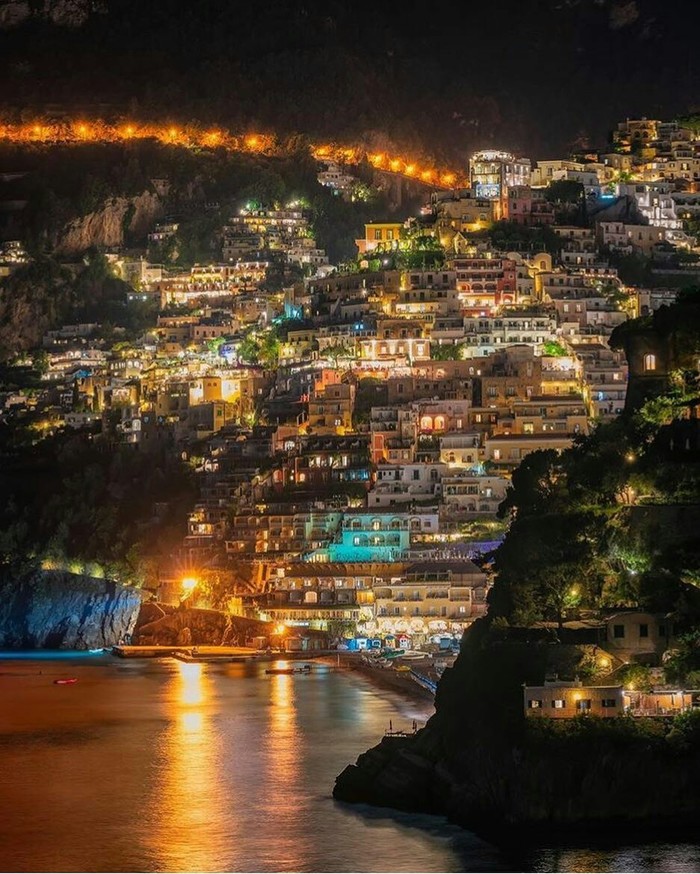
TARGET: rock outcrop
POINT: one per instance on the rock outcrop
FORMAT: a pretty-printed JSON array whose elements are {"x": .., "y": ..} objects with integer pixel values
[
  {"x": 47, "y": 609},
  {"x": 106, "y": 227},
  {"x": 483, "y": 765},
  {"x": 165, "y": 625}
]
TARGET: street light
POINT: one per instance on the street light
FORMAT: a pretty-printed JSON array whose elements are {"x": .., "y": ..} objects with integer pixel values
[{"x": 189, "y": 584}]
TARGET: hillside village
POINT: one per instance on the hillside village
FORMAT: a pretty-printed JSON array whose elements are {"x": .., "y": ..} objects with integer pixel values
[{"x": 351, "y": 430}]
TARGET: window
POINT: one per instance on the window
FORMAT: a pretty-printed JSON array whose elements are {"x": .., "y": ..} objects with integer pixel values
[
  {"x": 583, "y": 704},
  {"x": 643, "y": 629},
  {"x": 618, "y": 631},
  {"x": 650, "y": 362},
  {"x": 389, "y": 234},
  {"x": 377, "y": 234},
  {"x": 559, "y": 704},
  {"x": 496, "y": 454},
  {"x": 608, "y": 703},
  {"x": 534, "y": 704}
]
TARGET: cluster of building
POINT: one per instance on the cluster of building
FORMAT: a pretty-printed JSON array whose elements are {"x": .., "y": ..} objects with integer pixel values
[{"x": 350, "y": 470}]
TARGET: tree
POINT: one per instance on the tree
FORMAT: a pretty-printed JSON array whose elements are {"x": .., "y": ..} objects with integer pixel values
[
  {"x": 564, "y": 191},
  {"x": 536, "y": 485}
]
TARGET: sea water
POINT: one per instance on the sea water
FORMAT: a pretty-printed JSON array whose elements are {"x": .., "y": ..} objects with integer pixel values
[{"x": 159, "y": 765}]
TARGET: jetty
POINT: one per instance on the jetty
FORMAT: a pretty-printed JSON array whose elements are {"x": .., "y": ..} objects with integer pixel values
[
  {"x": 214, "y": 654},
  {"x": 187, "y": 653}
]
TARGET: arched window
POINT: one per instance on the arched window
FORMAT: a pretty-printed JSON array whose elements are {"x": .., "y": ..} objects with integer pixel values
[
  {"x": 650, "y": 362},
  {"x": 310, "y": 598},
  {"x": 439, "y": 423},
  {"x": 426, "y": 423}
]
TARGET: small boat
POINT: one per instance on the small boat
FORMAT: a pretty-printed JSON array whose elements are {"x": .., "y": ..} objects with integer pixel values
[
  {"x": 306, "y": 669},
  {"x": 65, "y": 681}
]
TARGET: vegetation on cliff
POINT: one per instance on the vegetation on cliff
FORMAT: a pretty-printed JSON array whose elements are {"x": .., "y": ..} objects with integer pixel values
[
  {"x": 613, "y": 521},
  {"x": 73, "y": 500},
  {"x": 43, "y": 295}
]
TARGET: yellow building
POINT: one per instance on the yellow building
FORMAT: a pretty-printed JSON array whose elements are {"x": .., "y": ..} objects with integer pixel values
[
  {"x": 379, "y": 235},
  {"x": 562, "y": 700},
  {"x": 330, "y": 411}
]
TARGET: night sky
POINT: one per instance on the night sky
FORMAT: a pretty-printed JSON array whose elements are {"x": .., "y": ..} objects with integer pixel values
[{"x": 537, "y": 76}]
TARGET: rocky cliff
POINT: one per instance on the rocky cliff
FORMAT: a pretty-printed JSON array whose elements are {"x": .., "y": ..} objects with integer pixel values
[
  {"x": 59, "y": 610},
  {"x": 482, "y": 764},
  {"x": 106, "y": 227}
]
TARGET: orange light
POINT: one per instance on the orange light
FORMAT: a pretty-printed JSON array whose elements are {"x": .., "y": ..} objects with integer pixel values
[
  {"x": 395, "y": 164},
  {"x": 409, "y": 169},
  {"x": 189, "y": 584}
]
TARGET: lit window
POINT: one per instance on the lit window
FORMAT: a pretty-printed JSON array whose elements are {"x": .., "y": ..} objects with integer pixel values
[
  {"x": 650, "y": 362},
  {"x": 558, "y": 704}
]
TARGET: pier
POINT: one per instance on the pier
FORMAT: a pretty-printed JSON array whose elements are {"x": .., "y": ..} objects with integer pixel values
[{"x": 212, "y": 654}]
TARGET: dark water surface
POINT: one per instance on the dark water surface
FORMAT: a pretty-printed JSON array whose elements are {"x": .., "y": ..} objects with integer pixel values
[{"x": 165, "y": 766}]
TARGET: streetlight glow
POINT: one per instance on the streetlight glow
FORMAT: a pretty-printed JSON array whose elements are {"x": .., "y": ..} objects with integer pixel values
[{"x": 189, "y": 584}]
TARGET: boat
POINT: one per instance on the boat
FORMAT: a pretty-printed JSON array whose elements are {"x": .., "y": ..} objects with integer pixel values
[
  {"x": 66, "y": 681},
  {"x": 305, "y": 669}
]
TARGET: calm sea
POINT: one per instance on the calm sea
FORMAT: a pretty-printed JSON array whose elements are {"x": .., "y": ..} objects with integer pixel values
[{"x": 165, "y": 766}]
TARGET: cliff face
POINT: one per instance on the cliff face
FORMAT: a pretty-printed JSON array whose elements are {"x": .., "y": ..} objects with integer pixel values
[
  {"x": 106, "y": 227},
  {"x": 479, "y": 762},
  {"x": 60, "y": 610}
]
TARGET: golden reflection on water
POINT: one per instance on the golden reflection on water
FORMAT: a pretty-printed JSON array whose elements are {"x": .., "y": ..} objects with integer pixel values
[
  {"x": 282, "y": 755},
  {"x": 186, "y": 833}
]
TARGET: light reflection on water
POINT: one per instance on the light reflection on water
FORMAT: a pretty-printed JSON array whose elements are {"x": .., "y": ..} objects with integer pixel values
[
  {"x": 169, "y": 766},
  {"x": 184, "y": 833}
]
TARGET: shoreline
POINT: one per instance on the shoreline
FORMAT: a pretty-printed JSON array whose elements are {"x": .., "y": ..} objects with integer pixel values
[{"x": 386, "y": 678}]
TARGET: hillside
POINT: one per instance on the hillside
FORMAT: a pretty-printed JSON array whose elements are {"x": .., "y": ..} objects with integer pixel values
[{"x": 335, "y": 69}]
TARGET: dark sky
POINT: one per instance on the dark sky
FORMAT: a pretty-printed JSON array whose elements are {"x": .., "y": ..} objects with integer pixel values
[{"x": 533, "y": 75}]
